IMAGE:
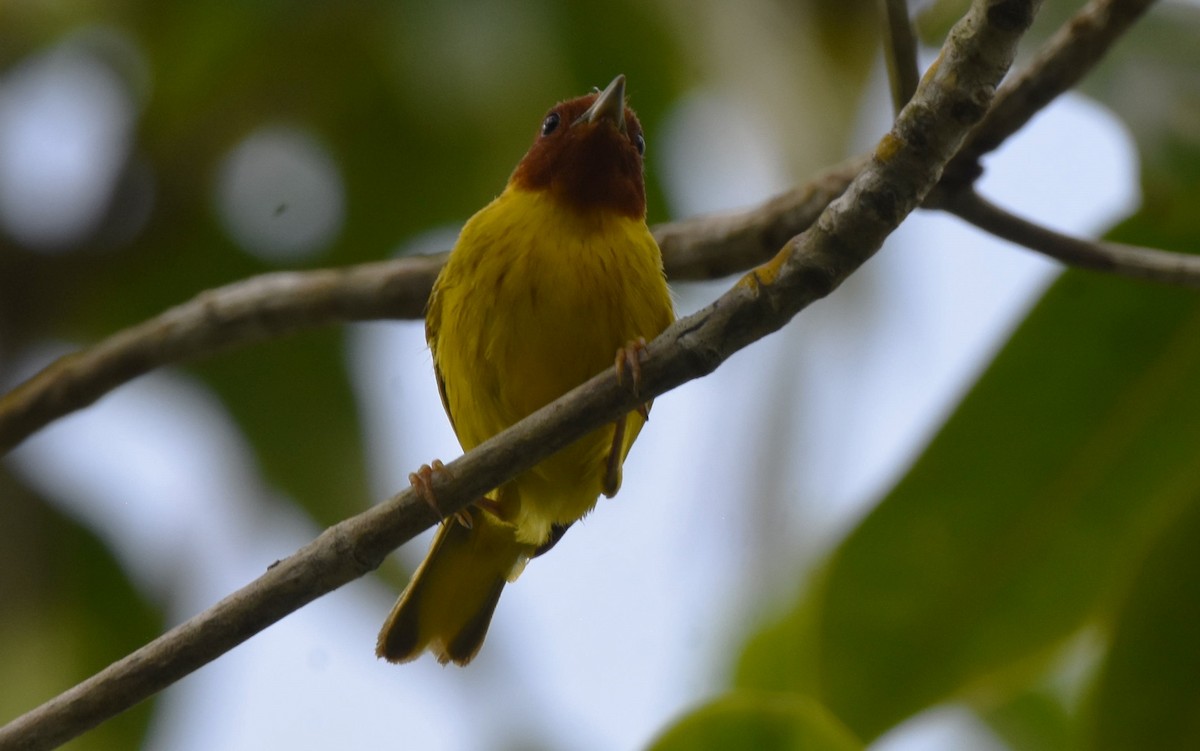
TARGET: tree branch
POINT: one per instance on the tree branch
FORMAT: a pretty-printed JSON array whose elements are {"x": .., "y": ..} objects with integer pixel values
[
  {"x": 252, "y": 310},
  {"x": 1179, "y": 269},
  {"x": 275, "y": 305},
  {"x": 904, "y": 167}
]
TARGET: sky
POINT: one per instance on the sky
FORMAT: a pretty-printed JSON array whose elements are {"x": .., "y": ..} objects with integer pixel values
[{"x": 640, "y": 613}]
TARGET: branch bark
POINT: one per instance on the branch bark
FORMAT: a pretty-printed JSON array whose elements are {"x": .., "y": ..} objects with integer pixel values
[{"x": 904, "y": 168}]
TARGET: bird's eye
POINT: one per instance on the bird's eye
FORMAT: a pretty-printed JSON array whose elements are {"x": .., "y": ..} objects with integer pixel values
[
  {"x": 640, "y": 142},
  {"x": 550, "y": 123}
]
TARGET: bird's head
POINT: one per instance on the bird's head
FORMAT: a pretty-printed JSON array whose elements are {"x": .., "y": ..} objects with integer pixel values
[{"x": 588, "y": 152}]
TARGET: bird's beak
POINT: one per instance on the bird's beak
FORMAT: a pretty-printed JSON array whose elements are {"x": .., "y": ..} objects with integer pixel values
[{"x": 609, "y": 105}]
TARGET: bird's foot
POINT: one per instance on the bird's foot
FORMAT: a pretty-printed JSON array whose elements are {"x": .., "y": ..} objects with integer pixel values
[
  {"x": 629, "y": 360},
  {"x": 422, "y": 482}
]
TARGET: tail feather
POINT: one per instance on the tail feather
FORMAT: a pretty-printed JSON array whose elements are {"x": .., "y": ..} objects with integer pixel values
[{"x": 448, "y": 605}]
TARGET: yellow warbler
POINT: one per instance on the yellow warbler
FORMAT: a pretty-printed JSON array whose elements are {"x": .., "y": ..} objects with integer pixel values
[{"x": 545, "y": 284}]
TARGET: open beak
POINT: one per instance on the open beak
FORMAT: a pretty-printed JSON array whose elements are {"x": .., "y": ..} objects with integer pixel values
[{"x": 609, "y": 105}]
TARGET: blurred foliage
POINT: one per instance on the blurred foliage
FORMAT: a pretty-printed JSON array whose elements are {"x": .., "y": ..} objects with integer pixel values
[
  {"x": 757, "y": 720},
  {"x": 1060, "y": 498},
  {"x": 1147, "y": 692},
  {"x": 409, "y": 156},
  {"x": 1026, "y": 514},
  {"x": 1036, "y": 720},
  {"x": 67, "y": 610}
]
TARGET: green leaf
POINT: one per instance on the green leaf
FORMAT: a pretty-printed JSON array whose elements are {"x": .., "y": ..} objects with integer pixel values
[
  {"x": 761, "y": 721},
  {"x": 1021, "y": 519},
  {"x": 1032, "y": 721},
  {"x": 783, "y": 655},
  {"x": 68, "y": 611},
  {"x": 1027, "y": 510},
  {"x": 1148, "y": 693}
]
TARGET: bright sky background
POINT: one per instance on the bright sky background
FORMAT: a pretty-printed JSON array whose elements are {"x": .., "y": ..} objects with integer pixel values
[{"x": 638, "y": 614}]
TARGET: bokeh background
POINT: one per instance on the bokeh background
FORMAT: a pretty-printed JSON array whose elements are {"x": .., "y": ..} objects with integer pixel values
[{"x": 823, "y": 536}]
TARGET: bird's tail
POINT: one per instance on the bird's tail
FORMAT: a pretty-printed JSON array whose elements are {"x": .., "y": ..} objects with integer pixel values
[{"x": 449, "y": 602}]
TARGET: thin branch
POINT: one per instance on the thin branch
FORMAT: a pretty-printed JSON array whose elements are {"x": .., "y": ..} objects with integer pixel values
[
  {"x": 252, "y": 310},
  {"x": 1061, "y": 63},
  {"x": 904, "y": 167},
  {"x": 275, "y": 305},
  {"x": 1179, "y": 269},
  {"x": 900, "y": 52}
]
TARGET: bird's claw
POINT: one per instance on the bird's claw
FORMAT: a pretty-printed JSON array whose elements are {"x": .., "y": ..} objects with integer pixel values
[
  {"x": 629, "y": 358},
  {"x": 422, "y": 482}
]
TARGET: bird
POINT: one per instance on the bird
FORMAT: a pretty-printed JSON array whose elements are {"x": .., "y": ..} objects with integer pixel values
[{"x": 555, "y": 280}]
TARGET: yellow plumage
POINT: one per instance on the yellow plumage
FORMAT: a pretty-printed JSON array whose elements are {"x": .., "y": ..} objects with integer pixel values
[
  {"x": 536, "y": 299},
  {"x": 540, "y": 293}
]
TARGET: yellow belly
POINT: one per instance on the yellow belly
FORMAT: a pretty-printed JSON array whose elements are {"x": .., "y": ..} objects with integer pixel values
[{"x": 534, "y": 300}]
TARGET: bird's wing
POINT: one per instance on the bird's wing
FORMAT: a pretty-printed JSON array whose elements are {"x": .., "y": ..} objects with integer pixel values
[{"x": 433, "y": 320}]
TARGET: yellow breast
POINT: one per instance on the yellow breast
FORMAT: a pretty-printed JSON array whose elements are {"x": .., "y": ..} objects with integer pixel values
[{"x": 535, "y": 299}]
